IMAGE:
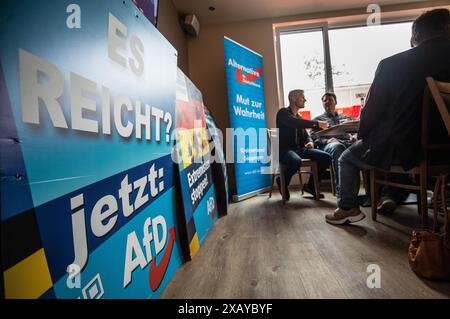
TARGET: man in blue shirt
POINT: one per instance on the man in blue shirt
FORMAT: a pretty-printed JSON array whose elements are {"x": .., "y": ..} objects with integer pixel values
[{"x": 333, "y": 145}]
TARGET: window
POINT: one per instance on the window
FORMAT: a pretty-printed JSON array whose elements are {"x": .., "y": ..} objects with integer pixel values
[
  {"x": 356, "y": 52},
  {"x": 303, "y": 65},
  {"x": 354, "y": 56}
]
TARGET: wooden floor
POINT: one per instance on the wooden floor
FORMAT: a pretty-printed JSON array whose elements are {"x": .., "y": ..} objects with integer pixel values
[{"x": 263, "y": 249}]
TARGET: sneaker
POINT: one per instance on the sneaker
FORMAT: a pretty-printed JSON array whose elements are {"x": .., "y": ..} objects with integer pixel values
[
  {"x": 288, "y": 195},
  {"x": 310, "y": 190},
  {"x": 386, "y": 205},
  {"x": 342, "y": 216}
]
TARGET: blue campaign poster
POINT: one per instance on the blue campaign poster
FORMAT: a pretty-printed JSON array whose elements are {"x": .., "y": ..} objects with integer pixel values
[
  {"x": 87, "y": 109},
  {"x": 194, "y": 163},
  {"x": 244, "y": 73}
]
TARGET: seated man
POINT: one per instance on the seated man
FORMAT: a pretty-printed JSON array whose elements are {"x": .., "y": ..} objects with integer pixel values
[
  {"x": 333, "y": 145},
  {"x": 390, "y": 122},
  {"x": 390, "y": 197},
  {"x": 295, "y": 143}
]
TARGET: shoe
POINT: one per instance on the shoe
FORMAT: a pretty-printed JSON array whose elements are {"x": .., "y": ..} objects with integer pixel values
[
  {"x": 342, "y": 216},
  {"x": 288, "y": 195},
  {"x": 386, "y": 205},
  {"x": 310, "y": 190}
]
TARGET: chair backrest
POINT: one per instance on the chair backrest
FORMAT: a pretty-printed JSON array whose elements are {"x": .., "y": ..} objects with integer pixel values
[
  {"x": 436, "y": 122},
  {"x": 438, "y": 90}
]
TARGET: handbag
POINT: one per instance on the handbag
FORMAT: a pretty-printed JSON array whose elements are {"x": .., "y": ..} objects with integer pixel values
[{"x": 429, "y": 251}]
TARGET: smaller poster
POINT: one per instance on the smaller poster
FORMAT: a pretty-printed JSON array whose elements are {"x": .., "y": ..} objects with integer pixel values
[
  {"x": 219, "y": 167},
  {"x": 194, "y": 165}
]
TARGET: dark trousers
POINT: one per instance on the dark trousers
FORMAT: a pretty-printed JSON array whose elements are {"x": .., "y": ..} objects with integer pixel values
[{"x": 293, "y": 160}]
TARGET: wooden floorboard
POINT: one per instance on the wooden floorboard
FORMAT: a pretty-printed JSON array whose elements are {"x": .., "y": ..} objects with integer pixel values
[{"x": 263, "y": 249}]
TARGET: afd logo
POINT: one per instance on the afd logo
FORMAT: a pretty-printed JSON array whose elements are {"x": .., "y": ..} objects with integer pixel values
[
  {"x": 211, "y": 207},
  {"x": 156, "y": 231},
  {"x": 245, "y": 75},
  {"x": 139, "y": 256}
]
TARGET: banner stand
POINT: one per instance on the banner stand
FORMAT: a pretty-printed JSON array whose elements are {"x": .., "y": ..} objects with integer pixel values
[{"x": 237, "y": 198}]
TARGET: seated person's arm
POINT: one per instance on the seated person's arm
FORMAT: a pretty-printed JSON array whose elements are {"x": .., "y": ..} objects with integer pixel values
[
  {"x": 345, "y": 119},
  {"x": 309, "y": 141},
  {"x": 320, "y": 142},
  {"x": 289, "y": 120}
]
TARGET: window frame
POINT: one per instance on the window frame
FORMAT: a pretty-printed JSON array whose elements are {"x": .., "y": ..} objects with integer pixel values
[{"x": 324, "y": 27}]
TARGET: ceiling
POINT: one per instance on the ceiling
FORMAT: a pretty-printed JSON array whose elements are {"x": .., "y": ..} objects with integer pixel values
[{"x": 239, "y": 10}]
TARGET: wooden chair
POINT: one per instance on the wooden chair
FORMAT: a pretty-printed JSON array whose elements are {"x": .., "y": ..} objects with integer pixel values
[
  {"x": 434, "y": 91},
  {"x": 306, "y": 163},
  {"x": 441, "y": 183},
  {"x": 333, "y": 180},
  {"x": 277, "y": 168}
]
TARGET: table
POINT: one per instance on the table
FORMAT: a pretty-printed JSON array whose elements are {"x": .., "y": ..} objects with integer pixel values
[{"x": 341, "y": 129}]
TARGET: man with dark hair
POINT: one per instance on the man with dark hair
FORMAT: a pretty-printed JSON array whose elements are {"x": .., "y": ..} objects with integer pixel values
[
  {"x": 390, "y": 124},
  {"x": 295, "y": 143},
  {"x": 333, "y": 145},
  {"x": 430, "y": 25}
]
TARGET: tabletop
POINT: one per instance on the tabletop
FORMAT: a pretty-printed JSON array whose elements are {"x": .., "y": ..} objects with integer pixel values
[{"x": 344, "y": 128}]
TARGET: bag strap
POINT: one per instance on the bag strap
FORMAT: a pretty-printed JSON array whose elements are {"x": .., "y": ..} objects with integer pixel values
[{"x": 435, "y": 197}]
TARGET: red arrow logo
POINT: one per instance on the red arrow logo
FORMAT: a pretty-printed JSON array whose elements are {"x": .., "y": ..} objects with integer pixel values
[
  {"x": 214, "y": 211},
  {"x": 157, "y": 272},
  {"x": 247, "y": 78}
]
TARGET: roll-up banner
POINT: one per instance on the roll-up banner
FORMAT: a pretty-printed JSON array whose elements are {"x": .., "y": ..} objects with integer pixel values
[
  {"x": 194, "y": 163},
  {"x": 244, "y": 74},
  {"x": 87, "y": 96}
]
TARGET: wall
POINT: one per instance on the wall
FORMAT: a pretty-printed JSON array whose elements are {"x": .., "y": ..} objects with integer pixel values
[
  {"x": 169, "y": 25},
  {"x": 206, "y": 56}
]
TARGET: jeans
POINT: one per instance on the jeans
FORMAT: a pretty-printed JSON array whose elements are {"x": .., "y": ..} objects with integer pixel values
[
  {"x": 335, "y": 150},
  {"x": 350, "y": 163},
  {"x": 293, "y": 160}
]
